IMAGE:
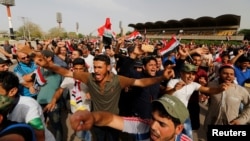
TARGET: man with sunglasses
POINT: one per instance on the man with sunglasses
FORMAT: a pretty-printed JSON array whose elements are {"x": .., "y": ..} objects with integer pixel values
[{"x": 25, "y": 71}]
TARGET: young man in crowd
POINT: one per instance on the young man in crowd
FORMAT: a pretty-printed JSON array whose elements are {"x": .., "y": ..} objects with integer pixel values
[
  {"x": 224, "y": 107},
  {"x": 168, "y": 117},
  {"x": 24, "y": 109},
  {"x": 13, "y": 131},
  {"x": 79, "y": 96},
  {"x": 104, "y": 86}
]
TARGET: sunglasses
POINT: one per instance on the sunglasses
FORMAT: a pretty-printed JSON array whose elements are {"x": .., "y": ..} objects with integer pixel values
[{"x": 26, "y": 57}]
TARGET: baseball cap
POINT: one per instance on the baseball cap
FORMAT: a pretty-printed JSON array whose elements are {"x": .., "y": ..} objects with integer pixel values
[
  {"x": 174, "y": 107},
  {"x": 189, "y": 68},
  {"x": 2, "y": 61},
  {"x": 5, "y": 102}
]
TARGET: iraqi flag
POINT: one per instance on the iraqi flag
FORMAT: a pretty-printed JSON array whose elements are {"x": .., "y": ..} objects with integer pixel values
[
  {"x": 134, "y": 35},
  {"x": 13, "y": 49},
  {"x": 106, "y": 33},
  {"x": 39, "y": 79},
  {"x": 172, "y": 44},
  {"x": 69, "y": 46}
]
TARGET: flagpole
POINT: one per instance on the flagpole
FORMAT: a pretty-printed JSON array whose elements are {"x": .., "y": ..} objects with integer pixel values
[{"x": 179, "y": 38}]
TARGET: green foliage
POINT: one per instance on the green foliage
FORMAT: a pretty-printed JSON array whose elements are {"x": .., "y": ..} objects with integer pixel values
[
  {"x": 29, "y": 30},
  {"x": 56, "y": 32},
  {"x": 80, "y": 35},
  {"x": 246, "y": 33}
]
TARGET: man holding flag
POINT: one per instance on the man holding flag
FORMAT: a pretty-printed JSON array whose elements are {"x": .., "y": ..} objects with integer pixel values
[{"x": 106, "y": 33}]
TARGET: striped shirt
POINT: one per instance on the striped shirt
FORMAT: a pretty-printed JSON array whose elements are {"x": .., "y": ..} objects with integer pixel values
[{"x": 140, "y": 129}]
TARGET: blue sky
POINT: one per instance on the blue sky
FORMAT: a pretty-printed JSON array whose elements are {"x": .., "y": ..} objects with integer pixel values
[{"x": 91, "y": 14}]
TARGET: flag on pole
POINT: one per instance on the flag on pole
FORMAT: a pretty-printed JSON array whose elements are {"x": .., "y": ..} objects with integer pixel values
[
  {"x": 106, "y": 33},
  {"x": 172, "y": 44},
  {"x": 134, "y": 35}
]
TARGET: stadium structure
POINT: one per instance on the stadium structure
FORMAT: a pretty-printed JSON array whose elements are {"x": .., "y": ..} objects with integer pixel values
[{"x": 223, "y": 27}]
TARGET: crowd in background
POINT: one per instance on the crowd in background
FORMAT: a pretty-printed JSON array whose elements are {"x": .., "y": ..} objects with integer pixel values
[{"x": 215, "y": 75}]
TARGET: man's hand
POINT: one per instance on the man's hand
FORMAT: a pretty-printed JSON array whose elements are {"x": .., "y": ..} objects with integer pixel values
[
  {"x": 168, "y": 73},
  {"x": 225, "y": 86},
  {"x": 32, "y": 90},
  {"x": 235, "y": 122},
  {"x": 49, "y": 107},
  {"x": 201, "y": 50},
  {"x": 179, "y": 85},
  {"x": 81, "y": 120}
]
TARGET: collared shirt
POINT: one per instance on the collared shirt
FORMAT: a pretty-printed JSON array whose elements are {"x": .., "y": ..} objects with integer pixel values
[
  {"x": 22, "y": 69},
  {"x": 224, "y": 107}
]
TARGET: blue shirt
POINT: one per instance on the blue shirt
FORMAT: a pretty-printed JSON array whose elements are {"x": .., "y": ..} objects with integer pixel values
[
  {"x": 241, "y": 76},
  {"x": 22, "y": 69}
]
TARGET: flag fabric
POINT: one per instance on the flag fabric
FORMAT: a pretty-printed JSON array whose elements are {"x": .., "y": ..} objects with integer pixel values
[
  {"x": 172, "y": 44},
  {"x": 107, "y": 26},
  {"x": 69, "y": 46},
  {"x": 135, "y": 34},
  {"x": 13, "y": 49},
  {"x": 106, "y": 32},
  {"x": 39, "y": 79}
]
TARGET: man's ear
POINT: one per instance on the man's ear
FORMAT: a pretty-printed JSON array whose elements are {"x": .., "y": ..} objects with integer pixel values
[
  {"x": 109, "y": 68},
  {"x": 13, "y": 92},
  {"x": 179, "y": 129}
]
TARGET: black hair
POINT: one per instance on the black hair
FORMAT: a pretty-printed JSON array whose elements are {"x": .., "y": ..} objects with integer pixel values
[
  {"x": 145, "y": 60},
  {"x": 157, "y": 106},
  {"x": 8, "y": 80},
  {"x": 225, "y": 54},
  {"x": 225, "y": 67},
  {"x": 102, "y": 57},
  {"x": 195, "y": 54},
  {"x": 78, "y": 61},
  {"x": 243, "y": 59},
  {"x": 79, "y": 51}
]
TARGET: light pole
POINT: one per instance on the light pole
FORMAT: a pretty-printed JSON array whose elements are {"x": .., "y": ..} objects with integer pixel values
[
  {"x": 24, "y": 28},
  {"x": 77, "y": 27},
  {"x": 9, "y": 3}
]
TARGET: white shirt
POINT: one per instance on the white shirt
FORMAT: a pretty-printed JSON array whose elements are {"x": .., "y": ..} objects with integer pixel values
[
  {"x": 89, "y": 60},
  {"x": 185, "y": 92},
  {"x": 69, "y": 83},
  {"x": 28, "y": 109}
]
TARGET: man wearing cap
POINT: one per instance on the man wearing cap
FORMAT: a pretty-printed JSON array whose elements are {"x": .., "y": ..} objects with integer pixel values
[
  {"x": 185, "y": 85},
  {"x": 4, "y": 65},
  {"x": 168, "y": 116},
  {"x": 183, "y": 88},
  {"x": 23, "y": 109},
  {"x": 10, "y": 130}
]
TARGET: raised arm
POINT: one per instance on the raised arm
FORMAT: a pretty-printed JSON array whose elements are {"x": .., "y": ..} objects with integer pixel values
[
  {"x": 144, "y": 82},
  {"x": 84, "y": 120},
  {"x": 214, "y": 90}
]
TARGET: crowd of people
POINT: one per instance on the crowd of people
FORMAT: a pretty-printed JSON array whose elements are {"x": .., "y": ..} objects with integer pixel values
[{"x": 121, "y": 91}]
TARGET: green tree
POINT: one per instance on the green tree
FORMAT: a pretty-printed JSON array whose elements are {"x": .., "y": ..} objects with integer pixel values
[
  {"x": 29, "y": 30},
  {"x": 72, "y": 35},
  {"x": 56, "y": 32},
  {"x": 80, "y": 35},
  {"x": 246, "y": 33}
]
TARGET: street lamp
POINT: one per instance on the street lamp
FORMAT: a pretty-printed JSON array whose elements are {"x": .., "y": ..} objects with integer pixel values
[{"x": 9, "y": 3}]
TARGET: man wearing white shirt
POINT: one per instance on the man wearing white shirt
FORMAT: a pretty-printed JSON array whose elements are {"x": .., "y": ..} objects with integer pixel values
[{"x": 88, "y": 58}]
